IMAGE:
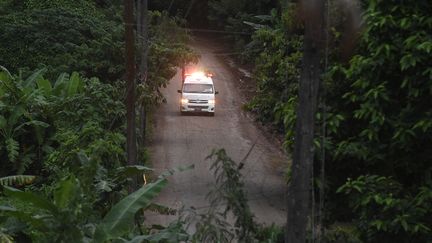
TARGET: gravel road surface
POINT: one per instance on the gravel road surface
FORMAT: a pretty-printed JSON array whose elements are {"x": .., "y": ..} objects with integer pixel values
[{"x": 182, "y": 140}]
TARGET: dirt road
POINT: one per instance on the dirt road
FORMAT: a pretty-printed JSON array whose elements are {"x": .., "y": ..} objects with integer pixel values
[{"x": 182, "y": 140}]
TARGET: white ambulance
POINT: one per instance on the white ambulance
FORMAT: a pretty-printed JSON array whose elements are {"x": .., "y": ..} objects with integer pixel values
[{"x": 198, "y": 93}]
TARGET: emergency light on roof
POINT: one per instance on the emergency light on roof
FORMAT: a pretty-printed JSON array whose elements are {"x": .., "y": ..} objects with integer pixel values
[{"x": 199, "y": 74}]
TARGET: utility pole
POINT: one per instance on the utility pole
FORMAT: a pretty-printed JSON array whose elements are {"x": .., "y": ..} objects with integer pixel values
[
  {"x": 298, "y": 196},
  {"x": 130, "y": 78}
]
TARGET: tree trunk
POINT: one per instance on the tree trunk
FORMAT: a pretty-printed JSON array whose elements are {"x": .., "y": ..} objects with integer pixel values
[
  {"x": 130, "y": 77},
  {"x": 142, "y": 20},
  {"x": 299, "y": 190}
]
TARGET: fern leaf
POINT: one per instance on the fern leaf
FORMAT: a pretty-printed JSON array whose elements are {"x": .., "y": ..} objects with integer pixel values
[{"x": 18, "y": 180}]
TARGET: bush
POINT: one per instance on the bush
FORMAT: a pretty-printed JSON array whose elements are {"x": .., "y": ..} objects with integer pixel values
[{"x": 385, "y": 212}]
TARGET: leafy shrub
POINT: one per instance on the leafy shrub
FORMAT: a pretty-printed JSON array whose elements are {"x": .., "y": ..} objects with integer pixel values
[
  {"x": 168, "y": 51},
  {"x": 277, "y": 71},
  {"x": 233, "y": 16},
  {"x": 67, "y": 133},
  {"x": 62, "y": 40},
  {"x": 385, "y": 212},
  {"x": 68, "y": 214},
  {"x": 228, "y": 198},
  {"x": 73, "y": 114}
]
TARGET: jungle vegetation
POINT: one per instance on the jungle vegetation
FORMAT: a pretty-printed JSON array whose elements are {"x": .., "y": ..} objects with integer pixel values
[{"x": 62, "y": 119}]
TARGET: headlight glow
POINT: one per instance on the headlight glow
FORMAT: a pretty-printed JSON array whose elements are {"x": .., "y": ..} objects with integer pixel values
[
  {"x": 211, "y": 102},
  {"x": 184, "y": 101}
]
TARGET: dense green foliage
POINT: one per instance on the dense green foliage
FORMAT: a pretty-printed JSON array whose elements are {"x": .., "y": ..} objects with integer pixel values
[
  {"x": 377, "y": 113},
  {"x": 38, "y": 118},
  {"x": 62, "y": 37},
  {"x": 71, "y": 154},
  {"x": 70, "y": 136},
  {"x": 62, "y": 136},
  {"x": 382, "y": 97},
  {"x": 238, "y": 18},
  {"x": 277, "y": 69},
  {"x": 194, "y": 11},
  {"x": 62, "y": 142},
  {"x": 386, "y": 212},
  {"x": 165, "y": 55}
]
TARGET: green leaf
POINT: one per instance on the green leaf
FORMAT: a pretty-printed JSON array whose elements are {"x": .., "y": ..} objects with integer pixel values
[
  {"x": 66, "y": 190},
  {"x": 39, "y": 134},
  {"x": 119, "y": 219},
  {"x": 28, "y": 197},
  {"x": 425, "y": 46},
  {"x": 44, "y": 85},
  {"x": 5, "y": 71},
  {"x": 23, "y": 216},
  {"x": 378, "y": 224},
  {"x": 82, "y": 158},
  {"x": 104, "y": 186},
  {"x": 30, "y": 81},
  {"x": 60, "y": 84},
  {"x": 74, "y": 84},
  {"x": 408, "y": 61},
  {"x": 404, "y": 225},
  {"x": 3, "y": 122},
  {"x": 16, "y": 114},
  {"x": 12, "y": 148},
  {"x": 34, "y": 123}
]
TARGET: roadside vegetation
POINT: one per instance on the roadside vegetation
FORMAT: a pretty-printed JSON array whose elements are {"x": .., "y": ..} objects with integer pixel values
[
  {"x": 374, "y": 103},
  {"x": 62, "y": 119},
  {"x": 63, "y": 168}
]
